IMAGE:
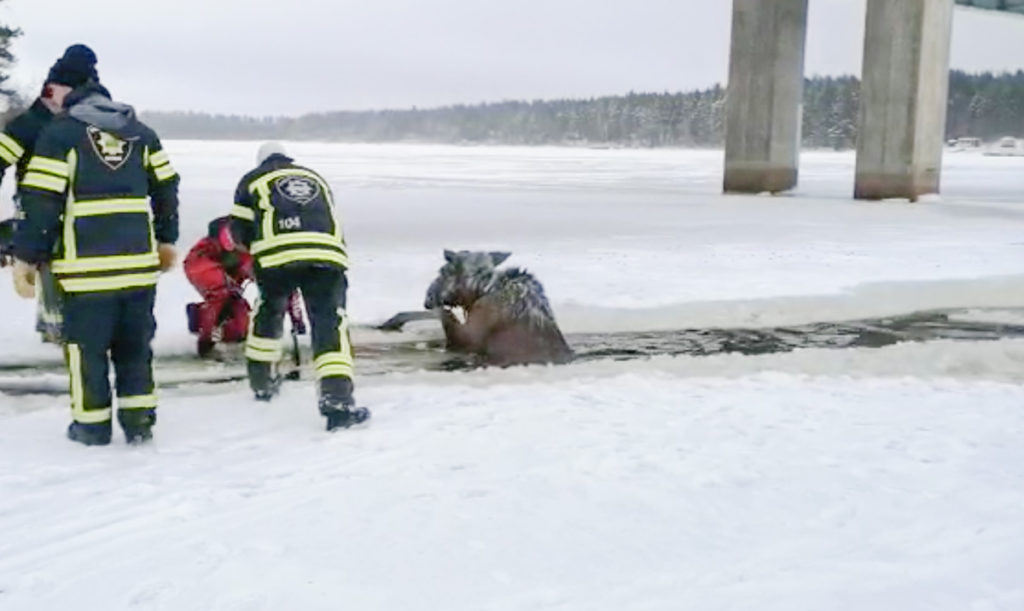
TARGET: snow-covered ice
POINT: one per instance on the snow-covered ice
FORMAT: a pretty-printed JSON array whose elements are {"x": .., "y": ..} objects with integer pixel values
[
  {"x": 859, "y": 478},
  {"x": 630, "y": 491}
]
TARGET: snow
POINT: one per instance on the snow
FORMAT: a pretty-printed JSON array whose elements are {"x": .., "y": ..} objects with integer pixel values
[
  {"x": 843, "y": 479},
  {"x": 637, "y": 490}
]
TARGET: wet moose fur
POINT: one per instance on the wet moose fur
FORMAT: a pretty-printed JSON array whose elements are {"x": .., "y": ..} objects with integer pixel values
[{"x": 508, "y": 320}]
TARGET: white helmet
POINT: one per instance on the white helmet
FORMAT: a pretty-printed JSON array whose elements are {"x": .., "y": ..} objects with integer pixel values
[{"x": 267, "y": 149}]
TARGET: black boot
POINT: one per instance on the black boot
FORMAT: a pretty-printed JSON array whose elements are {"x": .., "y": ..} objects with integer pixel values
[
  {"x": 90, "y": 434},
  {"x": 137, "y": 424},
  {"x": 345, "y": 417},
  {"x": 338, "y": 405},
  {"x": 264, "y": 383}
]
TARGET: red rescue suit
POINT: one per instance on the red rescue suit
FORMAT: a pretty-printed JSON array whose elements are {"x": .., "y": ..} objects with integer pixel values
[{"x": 218, "y": 268}]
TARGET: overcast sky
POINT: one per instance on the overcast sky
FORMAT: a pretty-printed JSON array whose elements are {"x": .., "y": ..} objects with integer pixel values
[{"x": 271, "y": 57}]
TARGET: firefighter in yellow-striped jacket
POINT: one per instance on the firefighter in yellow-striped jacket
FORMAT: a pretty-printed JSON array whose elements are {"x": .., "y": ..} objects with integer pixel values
[
  {"x": 17, "y": 142},
  {"x": 284, "y": 213},
  {"x": 100, "y": 200}
]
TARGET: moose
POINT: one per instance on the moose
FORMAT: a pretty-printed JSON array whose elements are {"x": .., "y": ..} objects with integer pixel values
[{"x": 507, "y": 318}]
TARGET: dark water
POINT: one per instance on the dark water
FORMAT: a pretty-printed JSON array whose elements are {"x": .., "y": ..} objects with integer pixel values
[
  {"x": 867, "y": 333},
  {"x": 382, "y": 358}
]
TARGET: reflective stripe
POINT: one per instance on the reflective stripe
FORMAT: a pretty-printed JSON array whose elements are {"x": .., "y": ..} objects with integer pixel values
[
  {"x": 164, "y": 172},
  {"x": 108, "y": 283},
  {"x": 12, "y": 145},
  {"x": 106, "y": 263},
  {"x": 7, "y": 155},
  {"x": 111, "y": 206},
  {"x": 343, "y": 336},
  {"x": 303, "y": 254},
  {"x": 263, "y": 343},
  {"x": 159, "y": 158},
  {"x": 297, "y": 238},
  {"x": 264, "y": 181},
  {"x": 264, "y": 204},
  {"x": 70, "y": 247},
  {"x": 243, "y": 212},
  {"x": 339, "y": 362},
  {"x": 50, "y": 166},
  {"x": 47, "y": 182},
  {"x": 332, "y": 358},
  {"x": 263, "y": 356},
  {"x": 333, "y": 371},
  {"x": 137, "y": 402},
  {"x": 76, "y": 376},
  {"x": 92, "y": 416},
  {"x": 263, "y": 349}
]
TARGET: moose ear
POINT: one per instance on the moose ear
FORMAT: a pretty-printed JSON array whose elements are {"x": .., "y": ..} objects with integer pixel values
[
  {"x": 498, "y": 257},
  {"x": 449, "y": 255}
]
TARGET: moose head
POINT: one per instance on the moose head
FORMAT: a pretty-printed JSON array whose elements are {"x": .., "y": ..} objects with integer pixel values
[{"x": 463, "y": 278}]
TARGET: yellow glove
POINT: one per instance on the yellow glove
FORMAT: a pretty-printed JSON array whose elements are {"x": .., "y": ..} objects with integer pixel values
[
  {"x": 168, "y": 256},
  {"x": 24, "y": 275}
]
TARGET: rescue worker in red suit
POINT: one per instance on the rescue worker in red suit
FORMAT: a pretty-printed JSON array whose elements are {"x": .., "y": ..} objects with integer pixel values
[{"x": 218, "y": 267}]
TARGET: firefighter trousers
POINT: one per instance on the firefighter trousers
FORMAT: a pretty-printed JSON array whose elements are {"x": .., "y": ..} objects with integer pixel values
[
  {"x": 324, "y": 288},
  {"x": 115, "y": 326}
]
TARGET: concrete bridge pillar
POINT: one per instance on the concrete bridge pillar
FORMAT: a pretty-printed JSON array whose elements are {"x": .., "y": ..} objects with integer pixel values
[
  {"x": 904, "y": 86},
  {"x": 764, "y": 96}
]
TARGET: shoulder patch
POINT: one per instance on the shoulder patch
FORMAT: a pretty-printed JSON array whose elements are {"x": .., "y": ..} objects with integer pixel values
[
  {"x": 298, "y": 189},
  {"x": 111, "y": 150}
]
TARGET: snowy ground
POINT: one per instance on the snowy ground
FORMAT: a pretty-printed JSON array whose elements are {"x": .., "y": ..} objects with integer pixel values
[{"x": 842, "y": 479}]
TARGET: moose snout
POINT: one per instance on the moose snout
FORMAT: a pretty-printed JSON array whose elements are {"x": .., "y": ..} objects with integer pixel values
[{"x": 432, "y": 300}]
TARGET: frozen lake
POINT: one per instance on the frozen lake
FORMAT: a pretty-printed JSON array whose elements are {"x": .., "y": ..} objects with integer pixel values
[
  {"x": 631, "y": 239},
  {"x": 858, "y": 478}
]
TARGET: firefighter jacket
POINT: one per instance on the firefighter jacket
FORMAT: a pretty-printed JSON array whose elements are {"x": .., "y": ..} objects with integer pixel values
[
  {"x": 18, "y": 139},
  {"x": 284, "y": 213},
  {"x": 99, "y": 195}
]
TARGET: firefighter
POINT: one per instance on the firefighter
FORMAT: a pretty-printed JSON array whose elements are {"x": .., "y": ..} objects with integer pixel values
[
  {"x": 285, "y": 215},
  {"x": 18, "y": 139},
  {"x": 218, "y": 267},
  {"x": 100, "y": 199},
  {"x": 17, "y": 142}
]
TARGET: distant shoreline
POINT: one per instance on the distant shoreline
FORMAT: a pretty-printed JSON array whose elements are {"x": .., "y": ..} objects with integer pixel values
[{"x": 980, "y": 106}]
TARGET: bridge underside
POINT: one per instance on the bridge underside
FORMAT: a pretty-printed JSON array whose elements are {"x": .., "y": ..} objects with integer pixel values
[{"x": 903, "y": 99}]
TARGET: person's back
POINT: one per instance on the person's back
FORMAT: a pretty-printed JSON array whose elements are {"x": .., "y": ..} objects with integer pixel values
[
  {"x": 291, "y": 215},
  {"x": 95, "y": 166},
  {"x": 100, "y": 200},
  {"x": 285, "y": 214}
]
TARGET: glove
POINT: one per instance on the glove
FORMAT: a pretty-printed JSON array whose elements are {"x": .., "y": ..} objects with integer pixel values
[
  {"x": 168, "y": 256},
  {"x": 231, "y": 261},
  {"x": 24, "y": 275}
]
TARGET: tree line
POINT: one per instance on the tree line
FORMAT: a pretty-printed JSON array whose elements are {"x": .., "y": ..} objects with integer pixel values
[{"x": 982, "y": 105}]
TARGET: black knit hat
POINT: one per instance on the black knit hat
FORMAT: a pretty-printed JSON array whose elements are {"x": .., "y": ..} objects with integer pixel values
[{"x": 75, "y": 67}]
